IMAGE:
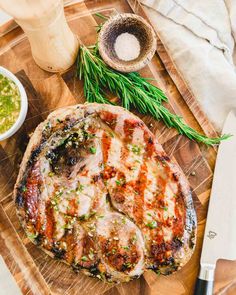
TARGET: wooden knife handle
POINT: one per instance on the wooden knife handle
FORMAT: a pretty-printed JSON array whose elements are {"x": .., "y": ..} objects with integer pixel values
[{"x": 203, "y": 287}]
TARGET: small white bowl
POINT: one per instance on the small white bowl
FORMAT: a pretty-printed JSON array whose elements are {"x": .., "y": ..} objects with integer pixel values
[{"x": 23, "y": 108}]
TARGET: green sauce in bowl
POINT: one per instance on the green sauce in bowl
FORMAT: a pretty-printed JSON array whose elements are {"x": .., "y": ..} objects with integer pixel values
[{"x": 10, "y": 103}]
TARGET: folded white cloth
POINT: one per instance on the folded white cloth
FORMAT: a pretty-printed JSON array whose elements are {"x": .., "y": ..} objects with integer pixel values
[
  {"x": 8, "y": 285},
  {"x": 200, "y": 37}
]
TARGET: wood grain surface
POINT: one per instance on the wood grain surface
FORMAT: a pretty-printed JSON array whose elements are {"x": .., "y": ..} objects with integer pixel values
[{"x": 33, "y": 270}]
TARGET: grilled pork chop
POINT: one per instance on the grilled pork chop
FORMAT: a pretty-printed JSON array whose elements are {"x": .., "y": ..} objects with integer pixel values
[{"x": 96, "y": 190}]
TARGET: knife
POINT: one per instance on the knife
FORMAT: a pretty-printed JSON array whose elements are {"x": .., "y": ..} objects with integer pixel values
[{"x": 220, "y": 233}]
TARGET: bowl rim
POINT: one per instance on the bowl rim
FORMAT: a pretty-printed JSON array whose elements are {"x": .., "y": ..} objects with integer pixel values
[
  {"x": 126, "y": 67},
  {"x": 23, "y": 108}
]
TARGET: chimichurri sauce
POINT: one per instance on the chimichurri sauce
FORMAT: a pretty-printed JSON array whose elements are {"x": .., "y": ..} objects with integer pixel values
[{"x": 10, "y": 103}]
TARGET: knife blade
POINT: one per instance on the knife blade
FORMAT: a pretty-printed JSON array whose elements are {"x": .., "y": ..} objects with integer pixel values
[{"x": 220, "y": 233}]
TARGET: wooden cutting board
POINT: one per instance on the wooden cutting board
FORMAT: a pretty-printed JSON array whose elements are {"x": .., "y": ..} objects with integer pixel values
[{"x": 33, "y": 270}]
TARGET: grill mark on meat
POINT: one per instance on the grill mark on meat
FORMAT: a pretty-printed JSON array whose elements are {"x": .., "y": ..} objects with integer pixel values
[
  {"x": 149, "y": 144},
  {"x": 49, "y": 228},
  {"x": 72, "y": 207},
  {"x": 162, "y": 184},
  {"x": 129, "y": 126},
  {"x": 119, "y": 192},
  {"x": 88, "y": 244},
  {"x": 158, "y": 251},
  {"x": 124, "y": 154},
  {"x": 106, "y": 145},
  {"x": 158, "y": 200},
  {"x": 140, "y": 186},
  {"x": 164, "y": 249},
  {"x": 38, "y": 225},
  {"x": 109, "y": 118},
  {"x": 109, "y": 172},
  {"x": 31, "y": 194},
  {"x": 69, "y": 240},
  {"x": 180, "y": 216},
  {"x": 121, "y": 259}
]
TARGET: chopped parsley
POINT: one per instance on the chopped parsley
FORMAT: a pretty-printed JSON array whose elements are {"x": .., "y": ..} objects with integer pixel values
[
  {"x": 136, "y": 149},
  {"x": 128, "y": 265},
  {"x": 93, "y": 150},
  {"x": 120, "y": 181},
  {"x": 123, "y": 220},
  {"x": 84, "y": 258},
  {"x": 152, "y": 224},
  {"x": 111, "y": 134},
  {"x": 79, "y": 188},
  {"x": 134, "y": 239},
  {"x": 31, "y": 236},
  {"x": 24, "y": 188},
  {"x": 126, "y": 247},
  {"x": 59, "y": 193},
  {"x": 113, "y": 251}
]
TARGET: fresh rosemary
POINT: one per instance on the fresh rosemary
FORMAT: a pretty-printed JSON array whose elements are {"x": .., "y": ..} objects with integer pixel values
[{"x": 133, "y": 90}]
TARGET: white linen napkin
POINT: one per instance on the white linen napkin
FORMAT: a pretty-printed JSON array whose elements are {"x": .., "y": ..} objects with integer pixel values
[
  {"x": 200, "y": 37},
  {"x": 8, "y": 285}
]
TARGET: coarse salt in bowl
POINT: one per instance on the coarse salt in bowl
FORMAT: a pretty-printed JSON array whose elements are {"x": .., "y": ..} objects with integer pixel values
[
  {"x": 23, "y": 107},
  {"x": 126, "y": 42}
]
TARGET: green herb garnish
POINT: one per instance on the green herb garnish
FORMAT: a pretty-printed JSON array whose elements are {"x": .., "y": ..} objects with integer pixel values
[
  {"x": 93, "y": 150},
  {"x": 152, "y": 224},
  {"x": 113, "y": 251},
  {"x": 126, "y": 247},
  {"x": 24, "y": 188},
  {"x": 84, "y": 258},
  {"x": 51, "y": 173},
  {"x": 32, "y": 236},
  {"x": 80, "y": 187},
  {"x": 120, "y": 181},
  {"x": 135, "y": 149},
  {"x": 10, "y": 103},
  {"x": 134, "y": 91}
]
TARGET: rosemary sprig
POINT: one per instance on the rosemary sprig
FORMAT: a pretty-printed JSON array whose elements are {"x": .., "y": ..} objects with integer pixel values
[
  {"x": 133, "y": 90},
  {"x": 101, "y": 16},
  {"x": 104, "y": 18}
]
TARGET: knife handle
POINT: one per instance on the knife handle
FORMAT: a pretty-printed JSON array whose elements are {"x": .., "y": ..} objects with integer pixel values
[
  {"x": 205, "y": 281},
  {"x": 203, "y": 287}
]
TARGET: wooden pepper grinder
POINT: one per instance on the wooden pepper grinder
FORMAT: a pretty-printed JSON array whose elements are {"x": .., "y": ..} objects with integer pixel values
[{"x": 54, "y": 47}]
